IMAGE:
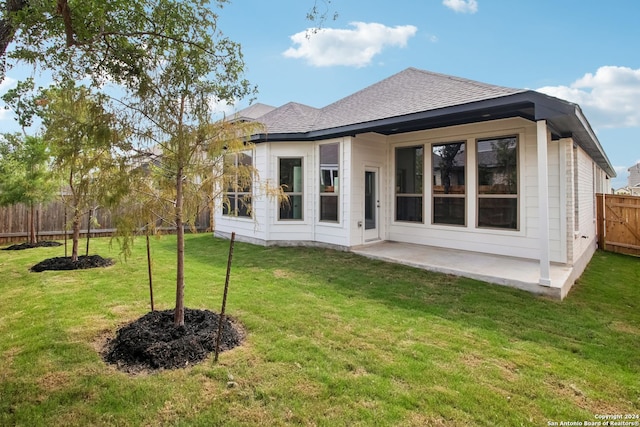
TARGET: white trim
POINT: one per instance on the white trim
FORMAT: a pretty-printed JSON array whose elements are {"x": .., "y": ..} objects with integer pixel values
[{"x": 543, "y": 202}]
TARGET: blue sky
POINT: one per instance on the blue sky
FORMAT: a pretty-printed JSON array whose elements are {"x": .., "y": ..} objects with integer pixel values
[{"x": 584, "y": 52}]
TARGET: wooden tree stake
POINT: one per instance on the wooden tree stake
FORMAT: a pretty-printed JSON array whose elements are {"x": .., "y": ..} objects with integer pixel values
[
  {"x": 224, "y": 297},
  {"x": 149, "y": 269}
]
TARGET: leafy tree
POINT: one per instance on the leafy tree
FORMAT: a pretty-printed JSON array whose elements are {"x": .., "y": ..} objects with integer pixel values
[
  {"x": 174, "y": 113},
  {"x": 25, "y": 176},
  {"x": 447, "y": 154},
  {"x": 84, "y": 139},
  {"x": 104, "y": 39}
]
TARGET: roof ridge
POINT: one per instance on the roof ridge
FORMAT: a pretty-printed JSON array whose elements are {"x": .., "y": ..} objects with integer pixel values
[{"x": 464, "y": 79}]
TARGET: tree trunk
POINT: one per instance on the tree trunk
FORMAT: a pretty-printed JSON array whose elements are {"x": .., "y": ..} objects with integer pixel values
[
  {"x": 178, "y": 316},
  {"x": 32, "y": 226},
  {"x": 7, "y": 30},
  {"x": 76, "y": 234},
  {"x": 89, "y": 230}
]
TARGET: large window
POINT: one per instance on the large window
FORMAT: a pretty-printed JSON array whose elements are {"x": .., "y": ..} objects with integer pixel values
[
  {"x": 449, "y": 202},
  {"x": 498, "y": 182},
  {"x": 238, "y": 170},
  {"x": 291, "y": 179},
  {"x": 329, "y": 182},
  {"x": 409, "y": 183}
]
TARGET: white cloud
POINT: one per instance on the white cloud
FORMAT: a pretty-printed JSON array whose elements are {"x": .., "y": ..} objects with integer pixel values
[
  {"x": 353, "y": 47},
  {"x": 7, "y": 84},
  {"x": 621, "y": 170},
  {"x": 221, "y": 108},
  {"x": 462, "y": 6},
  {"x": 610, "y": 98}
]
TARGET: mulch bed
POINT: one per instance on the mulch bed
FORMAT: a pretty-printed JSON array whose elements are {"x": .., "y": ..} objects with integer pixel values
[
  {"x": 27, "y": 245},
  {"x": 153, "y": 342},
  {"x": 65, "y": 263}
]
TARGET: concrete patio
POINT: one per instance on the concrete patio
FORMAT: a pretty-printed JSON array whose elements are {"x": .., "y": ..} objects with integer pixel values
[{"x": 507, "y": 271}]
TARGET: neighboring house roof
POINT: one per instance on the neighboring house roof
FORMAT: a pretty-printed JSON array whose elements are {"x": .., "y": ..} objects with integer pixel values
[
  {"x": 634, "y": 175},
  {"x": 252, "y": 112},
  {"x": 414, "y": 100},
  {"x": 290, "y": 118}
]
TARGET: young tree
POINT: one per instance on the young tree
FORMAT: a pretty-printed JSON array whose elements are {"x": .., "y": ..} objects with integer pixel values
[
  {"x": 84, "y": 139},
  {"x": 175, "y": 114}
]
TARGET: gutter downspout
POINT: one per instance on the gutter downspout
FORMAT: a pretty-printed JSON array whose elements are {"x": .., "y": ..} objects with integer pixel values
[{"x": 543, "y": 202}]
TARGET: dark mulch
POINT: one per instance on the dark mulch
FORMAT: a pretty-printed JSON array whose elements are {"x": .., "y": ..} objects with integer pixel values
[
  {"x": 27, "y": 245},
  {"x": 65, "y": 263},
  {"x": 154, "y": 342}
]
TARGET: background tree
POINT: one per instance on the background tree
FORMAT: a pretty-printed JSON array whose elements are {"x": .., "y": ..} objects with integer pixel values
[
  {"x": 447, "y": 154},
  {"x": 85, "y": 140},
  {"x": 25, "y": 175}
]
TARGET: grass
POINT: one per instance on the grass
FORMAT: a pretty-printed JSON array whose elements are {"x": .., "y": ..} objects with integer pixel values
[{"x": 333, "y": 339}]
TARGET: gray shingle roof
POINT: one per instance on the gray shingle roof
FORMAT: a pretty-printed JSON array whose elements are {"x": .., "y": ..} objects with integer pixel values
[
  {"x": 415, "y": 99},
  {"x": 253, "y": 112},
  {"x": 409, "y": 91},
  {"x": 290, "y": 118}
]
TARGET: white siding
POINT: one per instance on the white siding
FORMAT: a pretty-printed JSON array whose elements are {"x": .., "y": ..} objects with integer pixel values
[
  {"x": 585, "y": 232},
  {"x": 520, "y": 243},
  {"x": 328, "y": 232},
  {"x": 254, "y": 227},
  {"x": 369, "y": 150},
  {"x": 572, "y": 176},
  {"x": 265, "y": 227},
  {"x": 293, "y": 230},
  {"x": 556, "y": 218}
]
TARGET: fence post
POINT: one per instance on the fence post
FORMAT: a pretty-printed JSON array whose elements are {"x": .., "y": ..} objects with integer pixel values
[{"x": 601, "y": 227}]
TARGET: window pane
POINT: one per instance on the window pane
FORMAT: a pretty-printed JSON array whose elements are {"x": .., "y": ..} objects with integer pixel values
[
  {"x": 291, "y": 175},
  {"x": 409, "y": 170},
  {"x": 238, "y": 177},
  {"x": 329, "y": 161},
  {"x": 243, "y": 206},
  {"x": 370, "y": 201},
  {"x": 329, "y": 208},
  {"x": 449, "y": 210},
  {"x": 227, "y": 209},
  {"x": 498, "y": 212},
  {"x": 245, "y": 159},
  {"x": 245, "y": 172},
  {"x": 228, "y": 168},
  {"x": 291, "y": 181},
  {"x": 498, "y": 166},
  {"x": 292, "y": 208},
  {"x": 409, "y": 209},
  {"x": 449, "y": 168}
]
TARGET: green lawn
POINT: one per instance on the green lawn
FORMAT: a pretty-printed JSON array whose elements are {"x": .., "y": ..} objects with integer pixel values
[{"x": 333, "y": 339}]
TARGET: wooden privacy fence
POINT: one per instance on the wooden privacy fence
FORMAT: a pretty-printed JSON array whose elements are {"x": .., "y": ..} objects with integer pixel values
[
  {"x": 619, "y": 223},
  {"x": 53, "y": 224}
]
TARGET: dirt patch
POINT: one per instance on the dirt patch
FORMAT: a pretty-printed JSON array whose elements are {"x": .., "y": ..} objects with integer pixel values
[
  {"x": 153, "y": 341},
  {"x": 27, "y": 245},
  {"x": 65, "y": 263}
]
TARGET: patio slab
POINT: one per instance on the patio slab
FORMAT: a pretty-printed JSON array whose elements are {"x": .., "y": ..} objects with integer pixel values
[{"x": 501, "y": 270}]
